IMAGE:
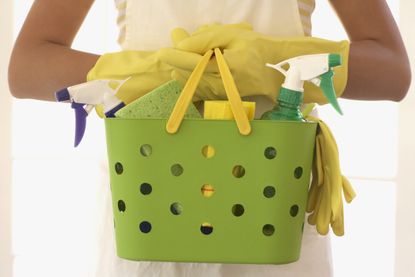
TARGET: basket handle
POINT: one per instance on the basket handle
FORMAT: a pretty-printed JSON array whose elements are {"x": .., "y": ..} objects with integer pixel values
[{"x": 189, "y": 89}]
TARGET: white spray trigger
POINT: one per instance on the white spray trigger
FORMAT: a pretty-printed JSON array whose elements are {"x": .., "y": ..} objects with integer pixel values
[{"x": 278, "y": 67}]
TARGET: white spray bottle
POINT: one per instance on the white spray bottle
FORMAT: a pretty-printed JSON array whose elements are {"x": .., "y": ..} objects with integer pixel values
[
  {"x": 87, "y": 95},
  {"x": 316, "y": 69}
]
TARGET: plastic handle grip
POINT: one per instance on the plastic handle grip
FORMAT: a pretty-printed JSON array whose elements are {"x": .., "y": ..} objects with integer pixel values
[
  {"x": 189, "y": 89},
  {"x": 186, "y": 96},
  {"x": 327, "y": 87},
  {"x": 233, "y": 95},
  {"x": 80, "y": 122}
]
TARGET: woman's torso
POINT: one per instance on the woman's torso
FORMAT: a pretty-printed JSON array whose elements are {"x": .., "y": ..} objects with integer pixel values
[{"x": 146, "y": 25}]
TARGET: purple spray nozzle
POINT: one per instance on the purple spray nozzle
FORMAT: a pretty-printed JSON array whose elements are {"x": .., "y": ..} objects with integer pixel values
[{"x": 85, "y": 96}]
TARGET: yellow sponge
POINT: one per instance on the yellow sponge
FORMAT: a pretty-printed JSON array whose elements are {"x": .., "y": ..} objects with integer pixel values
[
  {"x": 222, "y": 110},
  {"x": 158, "y": 103}
]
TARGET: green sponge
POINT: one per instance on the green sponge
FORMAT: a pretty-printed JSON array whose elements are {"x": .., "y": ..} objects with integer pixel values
[{"x": 158, "y": 103}]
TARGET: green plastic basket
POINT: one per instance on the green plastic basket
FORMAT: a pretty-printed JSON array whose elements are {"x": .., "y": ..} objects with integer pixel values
[{"x": 260, "y": 182}]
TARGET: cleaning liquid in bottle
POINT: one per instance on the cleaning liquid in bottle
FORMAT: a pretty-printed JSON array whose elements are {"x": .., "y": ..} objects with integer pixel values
[{"x": 288, "y": 107}]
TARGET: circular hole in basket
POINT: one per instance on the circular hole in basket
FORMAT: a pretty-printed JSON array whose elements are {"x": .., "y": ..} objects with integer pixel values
[
  {"x": 146, "y": 150},
  {"x": 176, "y": 170},
  {"x": 176, "y": 208},
  {"x": 206, "y": 228},
  {"x": 145, "y": 226},
  {"x": 207, "y": 190},
  {"x": 146, "y": 188},
  {"x": 121, "y": 206},
  {"x": 238, "y": 210},
  {"x": 298, "y": 172},
  {"x": 294, "y": 210},
  {"x": 119, "y": 168},
  {"x": 270, "y": 153},
  {"x": 269, "y": 191},
  {"x": 238, "y": 171},
  {"x": 208, "y": 151},
  {"x": 268, "y": 230}
]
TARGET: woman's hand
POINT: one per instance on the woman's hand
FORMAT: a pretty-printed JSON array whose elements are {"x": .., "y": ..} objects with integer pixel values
[
  {"x": 247, "y": 53},
  {"x": 143, "y": 69}
]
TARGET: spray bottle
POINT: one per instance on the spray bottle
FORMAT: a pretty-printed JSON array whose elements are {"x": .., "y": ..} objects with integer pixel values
[
  {"x": 87, "y": 95},
  {"x": 316, "y": 69}
]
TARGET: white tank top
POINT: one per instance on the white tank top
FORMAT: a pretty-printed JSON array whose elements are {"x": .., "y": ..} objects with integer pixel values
[{"x": 146, "y": 25}]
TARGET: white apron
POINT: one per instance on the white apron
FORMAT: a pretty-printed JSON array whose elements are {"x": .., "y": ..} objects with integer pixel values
[{"x": 147, "y": 27}]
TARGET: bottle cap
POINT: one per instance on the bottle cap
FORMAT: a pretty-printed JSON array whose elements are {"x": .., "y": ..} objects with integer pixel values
[{"x": 292, "y": 97}]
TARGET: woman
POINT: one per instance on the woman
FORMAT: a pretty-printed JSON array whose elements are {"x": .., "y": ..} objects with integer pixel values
[{"x": 43, "y": 62}]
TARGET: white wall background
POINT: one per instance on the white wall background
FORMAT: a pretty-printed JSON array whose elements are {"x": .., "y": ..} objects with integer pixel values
[
  {"x": 405, "y": 219},
  {"x": 54, "y": 211},
  {"x": 6, "y": 39},
  {"x": 55, "y": 207},
  {"x": 370, "y": 159}
]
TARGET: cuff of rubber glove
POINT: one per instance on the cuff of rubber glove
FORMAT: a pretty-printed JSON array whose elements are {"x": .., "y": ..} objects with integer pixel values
[
  {"x": 92, "y": 75},
  {"x": 314, "y": 94}
]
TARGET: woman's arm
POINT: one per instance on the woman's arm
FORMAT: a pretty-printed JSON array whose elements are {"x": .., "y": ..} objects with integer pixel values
[
  {"x": 42, "y": 61},
  {"x": 378, "y": 64}
]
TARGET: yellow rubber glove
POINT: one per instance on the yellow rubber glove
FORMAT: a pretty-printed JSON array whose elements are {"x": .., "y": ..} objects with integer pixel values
[
  {"x": 147, "y": 72},
  {"x": 328, "y": 184},
  {"x": 246, "y": 53}
]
